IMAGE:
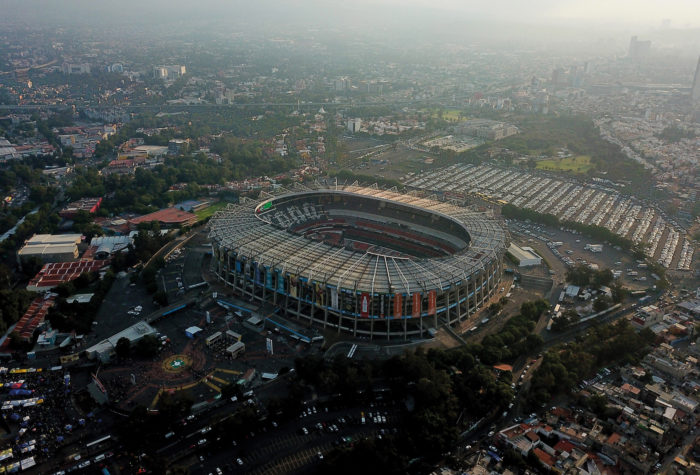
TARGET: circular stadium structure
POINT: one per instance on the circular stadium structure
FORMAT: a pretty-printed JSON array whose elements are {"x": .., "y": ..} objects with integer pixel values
[{"x": 372, "y": 262}]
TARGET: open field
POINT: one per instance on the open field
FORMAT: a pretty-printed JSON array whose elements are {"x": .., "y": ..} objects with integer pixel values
[
  {"x": 207, "y": 212},
  {"x": 578, "y": 164},
  {"x": 450, "y": 115}
]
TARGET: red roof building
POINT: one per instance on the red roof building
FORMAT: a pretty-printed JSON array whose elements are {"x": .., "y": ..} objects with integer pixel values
[
  {"x": 33, "y": 317},
  {"x": 127, "y": 162},
  {"x": 166, "y": 217},
  {"x": 89, "y": 205},
  {"x": 544, "y": 457},
  {"x": 56, "y": 273},
  {"x": 503, "y": 367}
]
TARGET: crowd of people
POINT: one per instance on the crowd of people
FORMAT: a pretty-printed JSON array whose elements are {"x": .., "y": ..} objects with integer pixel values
[{"x": 38, "y": 413}]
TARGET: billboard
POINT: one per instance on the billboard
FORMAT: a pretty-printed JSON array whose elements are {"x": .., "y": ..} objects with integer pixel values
[
  {"x": 268, "y": 278},
  {"x": 417, "y": 303},
  {"x": 293, "y": 282},
  {"x": 280, "y": 282},
  {"x": 334, "y": 298},
  {"x": 432, "y": 302},
  {"x": 320, "y": 295},
  {"x": 258, "y": 277},
  {"x": 364, "y": 305},
  {"x": 398, "y": 309}
]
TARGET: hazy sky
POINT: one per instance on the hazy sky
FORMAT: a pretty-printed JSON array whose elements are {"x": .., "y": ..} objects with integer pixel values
[{"x": 647, "y": 13}]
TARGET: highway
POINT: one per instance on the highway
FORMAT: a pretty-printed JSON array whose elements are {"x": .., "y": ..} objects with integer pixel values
[{"x": 180, "y": 107}]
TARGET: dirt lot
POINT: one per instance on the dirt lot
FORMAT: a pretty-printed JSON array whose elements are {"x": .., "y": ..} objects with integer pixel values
[{"x": 390, "y": 162}]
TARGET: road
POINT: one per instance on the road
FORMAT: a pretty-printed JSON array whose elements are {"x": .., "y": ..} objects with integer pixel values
[
  {"x": 281, "y": 449},
  {"x": 680, "y": 449}
]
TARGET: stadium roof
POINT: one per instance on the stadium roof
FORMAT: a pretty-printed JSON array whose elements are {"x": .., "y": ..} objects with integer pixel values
[{"x": 242, "y": 230}]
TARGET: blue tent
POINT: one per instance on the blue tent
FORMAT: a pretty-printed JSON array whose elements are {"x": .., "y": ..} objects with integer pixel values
[{"x": 21, "y": 392}]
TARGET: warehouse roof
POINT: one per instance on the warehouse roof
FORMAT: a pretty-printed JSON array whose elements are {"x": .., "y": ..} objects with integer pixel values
[{"x": 47, "y": 244}]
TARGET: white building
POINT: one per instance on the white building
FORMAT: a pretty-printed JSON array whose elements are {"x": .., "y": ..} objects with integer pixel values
[
  {"x": 106, "y": 348},
  {"x": 524, "y": 256},
  {"x": 51, "y": 247},
  {"x": 172, "y": 71},
  {"x": 72, "y": 68},
  {"x": 354, "y": 125}
]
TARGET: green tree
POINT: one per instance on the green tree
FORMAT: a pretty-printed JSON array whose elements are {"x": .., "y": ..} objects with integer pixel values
[
  {"x": 123, "y": 347},
  {"x": 601, "y": 303},
  {"x": 147, "y": 347}
]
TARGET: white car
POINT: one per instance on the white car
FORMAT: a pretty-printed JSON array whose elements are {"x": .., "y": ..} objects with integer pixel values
[{"x": 239, "y": 461}]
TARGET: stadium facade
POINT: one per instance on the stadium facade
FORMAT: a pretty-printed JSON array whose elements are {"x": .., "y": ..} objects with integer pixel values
[{"x": 372, "y": 262}]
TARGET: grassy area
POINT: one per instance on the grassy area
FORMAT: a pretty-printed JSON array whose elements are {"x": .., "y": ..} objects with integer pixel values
[
  {"x": 578, "y": 164},
  {"x": 203, "y": 214},
  {"x": 450, "y": 115}
]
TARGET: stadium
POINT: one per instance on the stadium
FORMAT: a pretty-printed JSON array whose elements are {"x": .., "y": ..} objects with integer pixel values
[{"x": 372, "y": 262}]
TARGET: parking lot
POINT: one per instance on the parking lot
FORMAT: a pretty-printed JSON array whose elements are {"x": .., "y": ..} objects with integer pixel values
[
  {"x": 297, "y": 444},
  {"x": 598, "y": 204},
  {"x": 570, "y": 249}
]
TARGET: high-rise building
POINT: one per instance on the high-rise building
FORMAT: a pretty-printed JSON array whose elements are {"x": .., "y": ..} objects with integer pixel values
[
  {"x": 341, "y": 84},
  {"x": 557, "y": 76},
  {"x": 695, "y": 93},
  {"x": 169, "y": 71},
  {"x": 639, "y": 49}
]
